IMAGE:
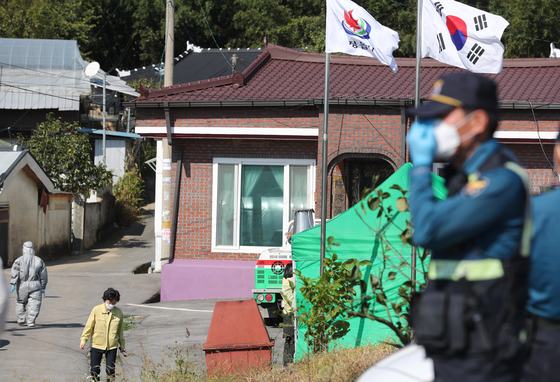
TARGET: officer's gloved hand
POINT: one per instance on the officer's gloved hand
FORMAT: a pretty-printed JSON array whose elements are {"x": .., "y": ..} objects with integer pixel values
[
  {"x": 44, "y": 288},
  {"x": 13, "y": 288},
  {"x": 422, "y": 142}
]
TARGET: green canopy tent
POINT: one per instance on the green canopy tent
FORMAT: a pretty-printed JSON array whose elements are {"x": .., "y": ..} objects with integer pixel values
[{"x": 354, "y": 233}]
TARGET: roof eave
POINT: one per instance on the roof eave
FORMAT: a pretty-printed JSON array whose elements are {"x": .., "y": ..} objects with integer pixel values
[{"x": 506, "y": 105}]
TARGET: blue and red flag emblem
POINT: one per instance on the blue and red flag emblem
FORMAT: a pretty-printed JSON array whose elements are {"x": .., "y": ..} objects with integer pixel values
[{"x": 355, "y": 27}]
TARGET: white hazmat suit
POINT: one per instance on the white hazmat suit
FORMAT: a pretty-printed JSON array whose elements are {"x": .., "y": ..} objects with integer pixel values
[
  {"x": 4, "y": 298},
  {"x": 29, "y": 276}
]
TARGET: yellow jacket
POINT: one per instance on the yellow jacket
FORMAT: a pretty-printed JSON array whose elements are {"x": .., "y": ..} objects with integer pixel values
[{"x": 105, "y": 329}]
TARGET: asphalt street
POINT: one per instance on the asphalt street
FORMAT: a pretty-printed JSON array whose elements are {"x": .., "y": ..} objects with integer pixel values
[{"x": 160, "y": 333}]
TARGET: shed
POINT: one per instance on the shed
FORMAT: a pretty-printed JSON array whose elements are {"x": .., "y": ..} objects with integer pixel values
[
  {"x": 118, "y": 146},
  {"x": 31, "y": 209}
]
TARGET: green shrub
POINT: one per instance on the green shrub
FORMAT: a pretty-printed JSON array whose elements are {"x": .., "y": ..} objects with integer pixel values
[
  {"x": 327, "y": 299},
  {"x": 128, "y": 197}
]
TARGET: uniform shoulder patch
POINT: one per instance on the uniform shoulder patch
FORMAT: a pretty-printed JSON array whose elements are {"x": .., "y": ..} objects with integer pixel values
[{"x": 475, "y": 187}]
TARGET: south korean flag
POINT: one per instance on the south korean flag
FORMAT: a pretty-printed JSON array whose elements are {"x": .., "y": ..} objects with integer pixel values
[{"x": 462, "y": 36}]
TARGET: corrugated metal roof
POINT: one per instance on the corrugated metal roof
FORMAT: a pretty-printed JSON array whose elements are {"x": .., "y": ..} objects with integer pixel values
[
  {"x": 119, "y": 134},
  {"x": 286, "y": 74},
  {"x": 113, "y": 83},
  {"x": 7, "y": 161},
  {"x": 41, "y": 74}
]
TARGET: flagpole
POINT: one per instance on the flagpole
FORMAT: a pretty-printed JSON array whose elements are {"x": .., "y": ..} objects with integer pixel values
[
  {"x": 324, "y": 162},
  {"x": 416, "y": 104},
  {"x": 418, "y": 52}
]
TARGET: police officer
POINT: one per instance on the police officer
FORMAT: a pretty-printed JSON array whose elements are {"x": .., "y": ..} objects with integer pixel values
[
  {"x": 544, "y": 287},
  {"x": 470, "y": 317}
]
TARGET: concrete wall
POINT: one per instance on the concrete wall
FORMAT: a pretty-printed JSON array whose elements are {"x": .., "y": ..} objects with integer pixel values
[
  {"x": 205, "y": 279},
  {"x": 92, "y": 221},
  {"x": 50, "y": 232}
]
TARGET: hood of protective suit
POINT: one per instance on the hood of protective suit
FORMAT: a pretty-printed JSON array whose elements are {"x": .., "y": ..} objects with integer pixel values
[{"x": 28, "y": 249}]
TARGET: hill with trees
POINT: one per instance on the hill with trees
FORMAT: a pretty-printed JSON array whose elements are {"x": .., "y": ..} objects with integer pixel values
[{"x": 130, "y": 33}]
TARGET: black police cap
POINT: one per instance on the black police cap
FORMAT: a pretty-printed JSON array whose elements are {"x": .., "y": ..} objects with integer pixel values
[{"x": 459, "y": 90}]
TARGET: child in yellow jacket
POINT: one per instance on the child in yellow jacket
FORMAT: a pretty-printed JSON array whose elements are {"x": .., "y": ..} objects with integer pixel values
[{"x": 105, "y": 327}]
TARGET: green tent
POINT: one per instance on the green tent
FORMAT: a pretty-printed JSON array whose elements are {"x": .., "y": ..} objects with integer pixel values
[{"x": 352, "y": 231}]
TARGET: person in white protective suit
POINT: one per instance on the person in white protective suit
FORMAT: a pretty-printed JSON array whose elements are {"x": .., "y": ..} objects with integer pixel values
[
  {"x": 29, "y": 278},
  {"x": 4, "y": 298}
]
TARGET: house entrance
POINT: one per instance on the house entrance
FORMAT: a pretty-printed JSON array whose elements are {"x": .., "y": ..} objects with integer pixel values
[
  {"x": 4, "y": 220},
  {"x": 362, "y": 172}
]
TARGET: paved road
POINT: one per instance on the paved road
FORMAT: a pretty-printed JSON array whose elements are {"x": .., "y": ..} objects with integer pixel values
[{"x": 50, "y": 351}]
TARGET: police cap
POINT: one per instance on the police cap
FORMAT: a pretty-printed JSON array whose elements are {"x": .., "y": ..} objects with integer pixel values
[{"x": 464, "y": 90}]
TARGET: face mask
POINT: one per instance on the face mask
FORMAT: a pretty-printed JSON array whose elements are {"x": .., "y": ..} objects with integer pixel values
[
  {"x": 448, "y": 139},
  {"x": 109, "y": 306}
]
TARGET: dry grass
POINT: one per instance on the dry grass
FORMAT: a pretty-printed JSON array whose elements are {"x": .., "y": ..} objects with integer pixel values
[
  {"x": 340, "y": 366},
  {"x": 177, "y": 365}
]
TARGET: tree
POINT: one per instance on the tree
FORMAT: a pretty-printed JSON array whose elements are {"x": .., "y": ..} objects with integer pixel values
[
  {"x": 131, "y": 33},
  {"x": 327, "y": 298},
  {"x": 376, "y": 301},
  {"x": 65, "y": 155}
]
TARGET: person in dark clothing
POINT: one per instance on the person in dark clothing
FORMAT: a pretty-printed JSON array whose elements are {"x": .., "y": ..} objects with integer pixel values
[
  {"x": 471, "y": 316},
  {"x": 544, "y": 287},
  {"x": 288, "y": 283}
]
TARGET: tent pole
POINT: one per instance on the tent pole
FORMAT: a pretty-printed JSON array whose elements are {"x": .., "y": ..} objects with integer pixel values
[
  {"x": 324, "y": 162},
  {"x": 416, "y": 104}
]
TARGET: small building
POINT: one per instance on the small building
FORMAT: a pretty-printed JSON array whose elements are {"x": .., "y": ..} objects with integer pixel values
[
  {"x": 42, "y": 76},
  {"x": 249, "y": 149},
  {"x": 31, "y": 209},
  {"x": 196, "y": 64},
  {"x": 118, "y": 146}
]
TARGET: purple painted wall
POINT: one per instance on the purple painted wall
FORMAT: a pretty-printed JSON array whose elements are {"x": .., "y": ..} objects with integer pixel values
[{"x": 203, "y": 279}]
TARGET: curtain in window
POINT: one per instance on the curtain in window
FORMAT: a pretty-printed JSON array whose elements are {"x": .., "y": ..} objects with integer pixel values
[
  {"x": 261, "y": 205},
  {"x": 226, "y": 204},
  {"x": 298, "y": 189}
]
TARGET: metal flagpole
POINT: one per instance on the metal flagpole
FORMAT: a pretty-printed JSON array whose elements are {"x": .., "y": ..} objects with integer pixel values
[
  {"x": 418, "y": 52},
  {"x": 416, "y": 104},
  {"x": 324, "y": 162}
]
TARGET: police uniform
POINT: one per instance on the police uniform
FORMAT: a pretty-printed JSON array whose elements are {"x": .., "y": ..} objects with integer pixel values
[
  {"x": 544, "y": 290},
  {"x": 470, "y": 317}
]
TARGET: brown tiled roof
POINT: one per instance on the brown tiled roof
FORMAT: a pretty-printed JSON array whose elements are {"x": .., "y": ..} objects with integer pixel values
[{"x": 282, "y": 74}]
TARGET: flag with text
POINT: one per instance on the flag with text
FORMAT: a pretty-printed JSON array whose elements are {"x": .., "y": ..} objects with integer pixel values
[{"x": 352, "y": 30}]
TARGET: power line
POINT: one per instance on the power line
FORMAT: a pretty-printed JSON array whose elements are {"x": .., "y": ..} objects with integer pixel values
[{"x": 212, "y": 34}]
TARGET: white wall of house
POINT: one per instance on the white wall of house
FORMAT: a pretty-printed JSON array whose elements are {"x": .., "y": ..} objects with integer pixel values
[
  {"x": 115, "y": 152},
  {"x": 50, "y": 232}
]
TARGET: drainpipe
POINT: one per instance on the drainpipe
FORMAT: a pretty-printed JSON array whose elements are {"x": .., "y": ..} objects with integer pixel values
[{"x": 176, "y": 201}]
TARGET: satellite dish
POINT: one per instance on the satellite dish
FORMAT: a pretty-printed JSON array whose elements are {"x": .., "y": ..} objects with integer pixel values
[{"x": 92, "y": 69}]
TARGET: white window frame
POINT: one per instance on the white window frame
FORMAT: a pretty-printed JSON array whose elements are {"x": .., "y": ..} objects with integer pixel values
[{"x": 236, "y": 248}]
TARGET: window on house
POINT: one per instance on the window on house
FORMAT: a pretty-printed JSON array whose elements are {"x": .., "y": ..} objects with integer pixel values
[{"x": 254, "y": 199}]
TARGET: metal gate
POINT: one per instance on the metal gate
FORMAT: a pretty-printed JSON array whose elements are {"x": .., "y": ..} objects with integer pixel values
[{"x": 4, "y": 224}]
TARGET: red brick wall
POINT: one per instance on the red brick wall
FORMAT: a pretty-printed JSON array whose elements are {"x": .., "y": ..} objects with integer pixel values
[
  {"x": 534, "y": 162},
  {"x": 373, "y": 132},
  {"x": 522, "y": 120},
  {"x": 194, "y": 231}
]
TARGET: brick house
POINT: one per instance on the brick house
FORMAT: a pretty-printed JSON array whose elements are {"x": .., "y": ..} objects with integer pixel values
[{"x": 249, "y": 144}]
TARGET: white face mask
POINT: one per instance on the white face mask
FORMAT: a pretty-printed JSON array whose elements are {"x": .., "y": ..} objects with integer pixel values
[
  {"x": 109, "y": 306},
  {"x": 447, "y": 137}
]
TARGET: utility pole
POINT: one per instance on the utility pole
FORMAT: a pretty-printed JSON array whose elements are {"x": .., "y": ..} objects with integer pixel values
[{"x": 165, "y": 150}]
